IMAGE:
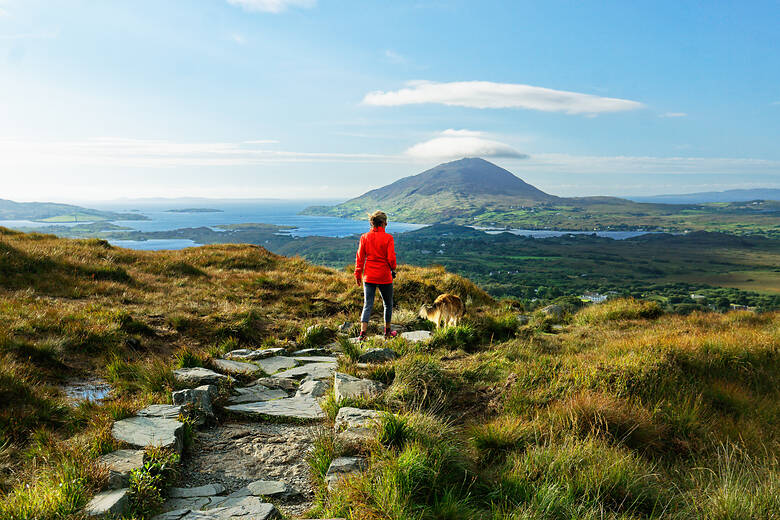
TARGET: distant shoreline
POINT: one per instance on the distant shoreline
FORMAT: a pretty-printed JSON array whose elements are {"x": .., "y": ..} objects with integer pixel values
[{"x": 195, "y": 210}]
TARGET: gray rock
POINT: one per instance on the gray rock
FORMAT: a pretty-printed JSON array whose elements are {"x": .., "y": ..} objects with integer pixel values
[
  {"x": 120, "y": 463},
  {"x": 165, "y": 411},
  {"x": 109, "y": 503},
  {"x": 266, "y": 488},
  {"x": 378, "y": 355},
  {"x": 235, "y": 368},
  {"x": 334, "y": 347},
  {"x": 355, "y": 426},
  {"x": 209, "y": 490},
  {"x": 311, "y": 352},
  {"x": 256, "y": 393},
  {"x": 344, "y": 327},
  {"x": 312, "y": 388},
  {"x": 416, "y": 335},
  {"x": 282, "y": 383},
  {"x": 149, "y": 431},
  {"x": 341, "y": 467},
  {"x": 523, "y": 319},
  {"x": 289, "y": 408},
  {"x": 198, "y": 400},
  {"x": 244, "y": 508},
  {"x": 554, "y": 311},
  {"x": 316, "y": 359},
  {"x": 346, "y": 386},
  {"x": 274, "y": 364},
  {"x": 185, "y": 504},
  {"x": 311, "y": 371},
  {"x": 176, "y": 514},
  {"x": 197, "y": 376}
]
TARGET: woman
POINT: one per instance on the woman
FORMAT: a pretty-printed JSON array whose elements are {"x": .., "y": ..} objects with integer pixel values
[{"x": 375, "y": 268}]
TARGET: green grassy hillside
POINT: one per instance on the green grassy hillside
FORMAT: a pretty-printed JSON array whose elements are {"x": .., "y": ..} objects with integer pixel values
[{"x": 618, "y": 411}]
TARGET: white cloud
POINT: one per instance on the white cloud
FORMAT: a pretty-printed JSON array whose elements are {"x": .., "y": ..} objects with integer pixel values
[
  {"x": 394, "y": 57},
  {"x": 454, "y": 144},
  {"x": 486, "y": 94},
  {"x": 674, "y": 114},
  {"x": 272, "y": 6}
]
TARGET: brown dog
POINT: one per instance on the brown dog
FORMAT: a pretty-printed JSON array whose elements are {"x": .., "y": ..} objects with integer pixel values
[{"x": 447, "y": 309}]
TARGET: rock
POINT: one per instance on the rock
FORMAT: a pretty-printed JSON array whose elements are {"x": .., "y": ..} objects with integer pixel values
[
  {"x": 177, "y": 514},
  {"x": 377, "y": 355},
  {"x": 109, "y": 503},
  {"x": 209, "y": 490},
  {"x": 416, "y": 335},
  {"x": 311, "y": 352},
  {"x": 315, "y": 359},
  {"x": 341, "y": 467},
  {"x": 355, "y": 426},
  {"x": 198, "y": 400},
  {"x": 344, "y": 327},
  {"x": 312, "y": 388},
  {"x": 554, "y": 311},
  {"x": 197, "y": 376},
  {"x": 283, "y": 383},
  {"x": 346, "y": 386},
  {"x": 398, "y": 328},
  {"x": 310, "y": 370},
  {"x": 290, "y": 408},
  {"x": 274, "y": 364},
  {"x": 149, "y": 431},
  {"x": 334, "y": 347},
  {"x": 165, "y": 411},
  {"x": 186, "y": 504},
  {"x": 120, "y": 463},
  {"x": 236, "y": 368},
  {"x": 244, "y": 508},
  {"x": 256, "y": 393},
  {"x": 523, "y": 319},
  {"x": 266, "y": 488},
  {"x": 245, "y": 354}
]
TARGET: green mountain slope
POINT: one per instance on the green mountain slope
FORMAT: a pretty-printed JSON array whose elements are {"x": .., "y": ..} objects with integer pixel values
[{"x": 53, "y": 212}]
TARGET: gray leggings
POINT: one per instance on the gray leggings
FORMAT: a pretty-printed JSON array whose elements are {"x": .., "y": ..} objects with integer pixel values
[{"x": 369, "y": 292}]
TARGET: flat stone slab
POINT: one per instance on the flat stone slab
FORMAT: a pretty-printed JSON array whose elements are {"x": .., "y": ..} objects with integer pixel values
[
  {"x": 416, "y": 335},
  {"x": 266, "y": 488},
  {"x": 355, "y": 426},
  {"x": 341, "y": 467},
  {"x": 251, "y": 394},
  {"x": 312, "y": 388},
  {"x": 149, "y": 431},
  {"x": 318, "y": 351},
  {"x": 274, "y": 364},
  {"x": 310, "y": 370},
  {"x": 378, "y": 355},
  {"x": 290, "y": 407},
  {"x": 120, "y": 463},
  {"x": 244, "y": 508},
  {"x": 282, "y": 383},
  {"x": 197, "y": 376},
  {"x": 346, "y": 386},
  {"x": 186, "y": 504},
  {"x": 316, "y": 359},
  {"x": 166, "y": 411},
  {"x": 209, "y": 490},
  {"x": 236, "y": 368},
  {"x": 109, "y": 503}
]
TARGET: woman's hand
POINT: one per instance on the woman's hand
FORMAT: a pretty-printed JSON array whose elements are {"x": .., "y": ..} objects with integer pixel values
[{"x": 357, "y": 281}]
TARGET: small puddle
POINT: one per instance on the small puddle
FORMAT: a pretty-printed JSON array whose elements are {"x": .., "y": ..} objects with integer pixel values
[{"x": 93, "y": 391}]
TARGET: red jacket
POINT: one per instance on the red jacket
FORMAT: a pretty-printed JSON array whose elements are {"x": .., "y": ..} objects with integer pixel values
[{"x": 375, "y": 257}]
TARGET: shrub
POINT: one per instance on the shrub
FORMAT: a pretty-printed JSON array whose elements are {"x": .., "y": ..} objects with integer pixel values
[
  {"x": 393, "y": 431},
  {"x": 149, "y": 483},
  {"x": 459, "y": 337},
  {"x": 314, "y": 336}
]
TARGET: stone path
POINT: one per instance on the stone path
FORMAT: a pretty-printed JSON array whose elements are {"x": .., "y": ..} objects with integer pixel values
[{"x": 257, "y": 468}]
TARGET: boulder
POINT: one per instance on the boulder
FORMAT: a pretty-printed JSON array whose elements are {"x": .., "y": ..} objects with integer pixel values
[
  {"x": 301, "y": 408},
  {"x": 341, "y": 467},
  {"x": 377, "y": 355},
  {"x": 165, "y": 411},
  {"x": 282, "y": 383},
  {"x": 355, "y": 426},
  {"x": 312, "y": 388},
  {"x": 235, "y": 368},
  {"x": 109, "y": 503},
  {"x": 346, "y": 386},
  {"x": 274, "y": 364},
  {"x": 255, "y": 393},
  {"x": 149, "y": 431},
  {"x": 310, "y": 371},
  {"x": 416, "y": 336},
  {"x": 266, "y": 488},
  {"x": 554, "y": 311},
  {"x": 120, "y": 463},
  {"x": 209, "y": 490},
  {"x": 311, "y": 352},
  {"x": 198, "y": 400},
  {"x": 197, "y": 376}
]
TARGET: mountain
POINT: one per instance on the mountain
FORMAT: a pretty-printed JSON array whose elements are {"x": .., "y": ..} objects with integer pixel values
[
  {"x": 53, "y": 212},
  {"x": 713, "y": 196}
]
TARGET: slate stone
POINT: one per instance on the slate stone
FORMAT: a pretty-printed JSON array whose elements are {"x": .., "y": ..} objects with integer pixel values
[
  {"x": 355, "y": 426},
  {"x": 186, "y": 504},
  {"x": 109, "y": 503},
  {"x": 310, "y": 370},
  {"x": 312, "y": 388},
  {"x": 177, "y": 514},
  {"x": 316, "y": 359},
  {"x": 311, "y": 352},
  {"x": 341, "y": 467},
  {"x": 378, "y": 355},
  {"x": 266, "y": 488},
  {"x": 256, "y": 393},
  {"x": 165, "y": 411},
  {"x": 197, "y": 376},
  {"x": 274, "y": 364},
  {"x": 291, "y": 407},
  {"x": 346, "y": 386},
  {"x": 416, "y": 335},
  {"x": 208, "y": 490},
  {"x": 120, "y": 463},
  {"x": 198, "y": 400},
  {"x": 244, "y": 508},
  {"x": 235, "y": 368},
  {"x": 282, "y": 383},
  {"x": 344, "y": 327},
  {"x": 149, "y": 431}
]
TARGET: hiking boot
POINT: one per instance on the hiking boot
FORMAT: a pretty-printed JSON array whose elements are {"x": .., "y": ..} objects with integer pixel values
[
  {"x": 362, "y": 337},
  {"x": 390, "y": 334}
]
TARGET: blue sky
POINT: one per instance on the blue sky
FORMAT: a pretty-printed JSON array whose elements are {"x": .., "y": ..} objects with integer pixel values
[{"x": 102, "y": 99}]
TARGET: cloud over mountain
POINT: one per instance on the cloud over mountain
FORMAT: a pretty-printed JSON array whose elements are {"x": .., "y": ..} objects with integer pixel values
[{"x": 462, "y": 143}]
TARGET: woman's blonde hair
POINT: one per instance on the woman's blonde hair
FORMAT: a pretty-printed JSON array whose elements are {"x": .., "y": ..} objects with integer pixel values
[{"x": 378, "y": 219}]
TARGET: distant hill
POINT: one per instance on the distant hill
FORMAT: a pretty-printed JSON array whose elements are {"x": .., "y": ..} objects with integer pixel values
[
  {"x": 54, "y": 212},
  {"x": 713, "y": 196}
]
